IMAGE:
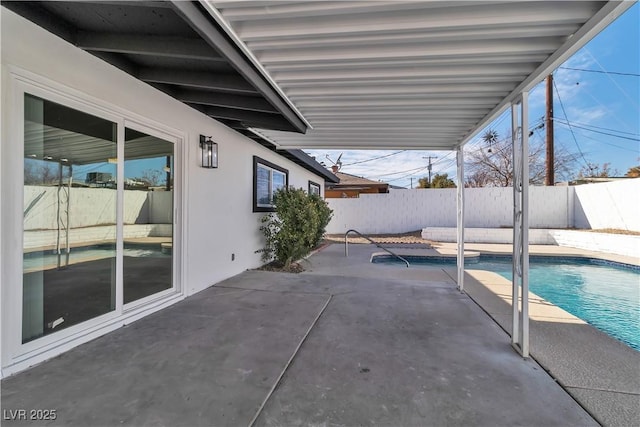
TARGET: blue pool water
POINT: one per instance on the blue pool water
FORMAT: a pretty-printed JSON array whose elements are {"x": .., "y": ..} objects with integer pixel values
[
  {"x": 38, "y": 260},
  {"x": 605, "y": 295}
]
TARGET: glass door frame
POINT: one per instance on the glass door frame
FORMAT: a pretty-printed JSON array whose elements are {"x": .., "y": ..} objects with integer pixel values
[{"x": 14, "y": 352}]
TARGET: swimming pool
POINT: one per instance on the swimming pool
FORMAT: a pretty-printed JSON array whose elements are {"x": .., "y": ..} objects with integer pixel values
[
  {"x": 38, "y": 260},
  {"x": 603, "y": 294}
]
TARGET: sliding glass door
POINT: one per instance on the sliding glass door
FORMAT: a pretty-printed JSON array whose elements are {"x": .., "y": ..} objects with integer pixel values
[
  {"x": 148, "y": 204},
  {"x": 97, "y": 226},
  {"x": 69, "y": 240}
]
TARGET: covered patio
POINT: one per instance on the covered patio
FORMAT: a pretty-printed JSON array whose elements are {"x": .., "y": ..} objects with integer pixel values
[
  {"x": 416, "y": 75},
  {"x": 345, "y": 343}
]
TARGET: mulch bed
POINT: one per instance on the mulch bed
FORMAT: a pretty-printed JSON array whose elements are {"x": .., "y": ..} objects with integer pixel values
[{"x": 294, "y": 267}]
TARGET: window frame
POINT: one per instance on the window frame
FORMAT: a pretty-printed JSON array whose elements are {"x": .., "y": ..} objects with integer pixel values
[
  {"x": 260, "y": 162},
  {"x": 312, "y": 185}
]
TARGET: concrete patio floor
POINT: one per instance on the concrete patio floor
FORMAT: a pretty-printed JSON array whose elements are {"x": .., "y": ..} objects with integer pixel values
[{"x": 345, "y": 343}]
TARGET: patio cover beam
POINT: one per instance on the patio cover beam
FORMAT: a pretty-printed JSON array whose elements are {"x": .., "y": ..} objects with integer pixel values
[
  {"x": 249, "y": 118},
  {"x": 240, "y": 102},
  {"x": 192, "y": 14},
  {"x": 229, "y": 83},
  {"x": 136, "y": 44}
]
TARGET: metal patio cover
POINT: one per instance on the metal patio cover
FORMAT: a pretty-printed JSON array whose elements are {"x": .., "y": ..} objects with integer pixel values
[
  {"x": 351, "y": 74},
  {"x": 405, "y": 74}
]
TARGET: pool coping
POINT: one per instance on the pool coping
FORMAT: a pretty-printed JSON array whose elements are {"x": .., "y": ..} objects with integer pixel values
[{"x": 449, "y": 250}]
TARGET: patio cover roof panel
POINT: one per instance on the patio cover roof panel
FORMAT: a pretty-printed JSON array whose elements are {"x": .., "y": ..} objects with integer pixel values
[{"x": 352, "y": 68}]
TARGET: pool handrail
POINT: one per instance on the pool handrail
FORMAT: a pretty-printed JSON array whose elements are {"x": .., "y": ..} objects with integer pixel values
[{"x": 346, "y": 245}]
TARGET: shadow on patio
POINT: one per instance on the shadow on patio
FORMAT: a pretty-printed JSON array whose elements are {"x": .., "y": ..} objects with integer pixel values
[{"x": 384, "y": 347}]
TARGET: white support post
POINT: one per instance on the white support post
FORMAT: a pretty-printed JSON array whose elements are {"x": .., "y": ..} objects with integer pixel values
[
  {"x": 460, "y": 216},
  {"x": 515, "y": 275},
  {"x": 520, "y": 269}
]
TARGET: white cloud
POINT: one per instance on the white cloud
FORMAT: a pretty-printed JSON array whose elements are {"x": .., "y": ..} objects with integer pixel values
[{"x": 586, "y": 115}]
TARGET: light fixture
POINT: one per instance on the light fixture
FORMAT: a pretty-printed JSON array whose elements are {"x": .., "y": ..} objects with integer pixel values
[{"x": 209, "y": 152}]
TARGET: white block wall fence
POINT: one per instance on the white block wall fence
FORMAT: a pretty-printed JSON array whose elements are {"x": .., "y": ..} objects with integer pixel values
[
  {"x": 603, "y": 205},
  {"x": 608, "y": 205},
  {"x": 95, "y": 206},
  {"x": 401, "y": 211}
]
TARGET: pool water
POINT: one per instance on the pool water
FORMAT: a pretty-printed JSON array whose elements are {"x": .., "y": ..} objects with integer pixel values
[
  {"x": 605, "y": 295},
  {"x": 38, "y": 260}
]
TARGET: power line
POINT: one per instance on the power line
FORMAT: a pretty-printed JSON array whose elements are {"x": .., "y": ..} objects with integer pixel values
[
  {"x": 374, "y": 158},
  {"x": 406, "y": 176},
  {"x": 601, "y": 72},
  {"x": 584, "y": 89},
  {"x": 633, "y": 102},
  {"x": 569, "y": 124},
  {"x": 598, "y": 131},
  {"x": 600, "y": 127},
  {"x": 600, "y": 141},
  {"x": 399, "y": 172}
]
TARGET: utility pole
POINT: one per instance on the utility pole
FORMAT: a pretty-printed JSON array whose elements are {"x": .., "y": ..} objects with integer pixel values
[
  {"x": 549, "y": 177},
  {"x": 412, "y": 182},
  {"x": 429, "y": 167}
]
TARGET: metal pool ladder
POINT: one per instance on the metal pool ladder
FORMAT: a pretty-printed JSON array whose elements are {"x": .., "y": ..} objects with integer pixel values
[{"x": 346, "y": 245}]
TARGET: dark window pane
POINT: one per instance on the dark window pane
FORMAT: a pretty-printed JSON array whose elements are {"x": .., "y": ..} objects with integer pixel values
[
  {"x": 279, "y": 180},
  {"x": 263, "y": 185}
]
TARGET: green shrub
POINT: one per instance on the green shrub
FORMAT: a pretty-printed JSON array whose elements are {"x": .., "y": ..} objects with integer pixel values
[
  {"x": 296, "y": 226},
  {"x": 324, "y": 216}
]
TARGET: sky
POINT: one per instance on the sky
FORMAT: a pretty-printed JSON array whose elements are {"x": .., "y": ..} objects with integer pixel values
[{"x": 597, "y": 114}]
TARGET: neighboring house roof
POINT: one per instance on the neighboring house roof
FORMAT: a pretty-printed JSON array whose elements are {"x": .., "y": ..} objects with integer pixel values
[
  {"x": 348, "y": 180},
  {"x": 309, "y": 163}
]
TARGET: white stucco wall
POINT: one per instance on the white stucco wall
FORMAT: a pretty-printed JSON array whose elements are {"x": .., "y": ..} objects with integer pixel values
[
  {"x": 215, "y": 218},
  {"x": 410, "y": 210}
]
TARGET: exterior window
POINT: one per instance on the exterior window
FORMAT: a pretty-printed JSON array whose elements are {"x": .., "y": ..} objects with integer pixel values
[
  {"x": 314, "y": 189},
  {"x": 267, "y": 179}
]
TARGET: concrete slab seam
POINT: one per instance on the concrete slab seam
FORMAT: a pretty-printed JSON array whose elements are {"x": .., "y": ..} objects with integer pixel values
[
  {"x": 289, "y": 362},
  {"x": 607, "y": 390},
  {"x": 274, "y": 292}
]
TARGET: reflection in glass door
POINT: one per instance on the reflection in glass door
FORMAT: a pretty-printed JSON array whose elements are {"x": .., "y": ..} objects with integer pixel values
[
  {"x": 148, "y": 215},
  {"x": 69, "y": 217}
]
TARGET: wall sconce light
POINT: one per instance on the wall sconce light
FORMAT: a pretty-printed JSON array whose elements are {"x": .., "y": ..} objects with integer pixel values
[{"x": 209, "y": 152}]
